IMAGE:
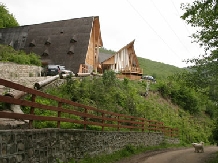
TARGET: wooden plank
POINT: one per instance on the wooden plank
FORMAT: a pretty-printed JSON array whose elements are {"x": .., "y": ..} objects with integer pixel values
[
  {"x": 39, "y": 93},
  {"x": 77, "y": 113},
  {"x": 121, "y": 120},
  {"x": 58, "y": 109},
  {"x": 46, "y": 118}
]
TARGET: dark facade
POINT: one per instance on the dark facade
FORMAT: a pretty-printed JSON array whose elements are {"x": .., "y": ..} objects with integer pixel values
[{"x": 63, "y": 42}]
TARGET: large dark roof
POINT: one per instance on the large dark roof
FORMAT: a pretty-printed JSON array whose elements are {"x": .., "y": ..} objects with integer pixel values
[{"x": 54, "y": 39}]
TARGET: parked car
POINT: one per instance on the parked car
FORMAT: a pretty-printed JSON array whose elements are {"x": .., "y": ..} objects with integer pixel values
[
  {"x": 147, "y": 77},
  {"x": 52, "y": 70}
]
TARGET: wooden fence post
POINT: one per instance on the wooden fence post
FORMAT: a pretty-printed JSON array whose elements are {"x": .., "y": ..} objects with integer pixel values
[
  {"x": 132, "y": 119},
  {"x": 118, "y": 128},
  {"x": 85, "y": 119},
  {"x": 171, "y": 132},
  {"x": 162, "y": 128},
  {"x": 143, "y": 125},
  {"x": 166, "y": 131},
  {"x": 156, "y": 129},
  {"x": 59, "y": 114},
  {"x": 33, "y": 99},
  {"x": 102, "y": 128},
  {"x": 149, "y": 126}
]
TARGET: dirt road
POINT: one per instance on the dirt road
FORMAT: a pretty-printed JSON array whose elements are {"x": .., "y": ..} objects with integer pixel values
[{"x": 186, "y": 155}]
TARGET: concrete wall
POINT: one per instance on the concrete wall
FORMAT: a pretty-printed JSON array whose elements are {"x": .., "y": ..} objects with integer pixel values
[
  {"x": 47, "y": 145},
  {"x": 11, "y": 70}
]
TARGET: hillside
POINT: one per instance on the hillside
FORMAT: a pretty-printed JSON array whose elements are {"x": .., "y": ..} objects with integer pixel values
[
  {"x": 130, "y": 97},
  {"x": 157, "y": 69}
]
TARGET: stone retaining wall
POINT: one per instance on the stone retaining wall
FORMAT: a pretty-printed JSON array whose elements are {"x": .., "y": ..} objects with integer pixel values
[
  {"x": 50, "y": 145},
  {"x": 12, "y": 70}
]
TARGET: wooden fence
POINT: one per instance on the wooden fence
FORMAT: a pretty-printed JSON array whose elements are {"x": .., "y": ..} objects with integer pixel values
[{"x": 85, "y": 115}]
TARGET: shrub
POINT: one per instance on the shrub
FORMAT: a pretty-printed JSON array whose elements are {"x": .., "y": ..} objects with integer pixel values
[{"x": 8, "y": 54}]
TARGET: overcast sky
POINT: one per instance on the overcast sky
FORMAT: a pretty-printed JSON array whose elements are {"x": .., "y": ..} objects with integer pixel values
[{"x": 159, "y": 32}]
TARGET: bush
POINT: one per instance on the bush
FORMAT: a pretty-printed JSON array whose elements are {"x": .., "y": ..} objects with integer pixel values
[
  {"x": 8, "y": 54},
  {"x": 181, "y": 95},
  {"x": 109, "y": 78}
]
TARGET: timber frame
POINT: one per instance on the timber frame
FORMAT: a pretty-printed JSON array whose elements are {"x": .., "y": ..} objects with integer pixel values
[
  {"x": 95, "y": 42},
  {"x": 124, "y": 63}
]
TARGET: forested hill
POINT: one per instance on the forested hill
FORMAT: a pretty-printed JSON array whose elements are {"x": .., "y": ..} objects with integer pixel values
[{"x": 157, "y": 69}]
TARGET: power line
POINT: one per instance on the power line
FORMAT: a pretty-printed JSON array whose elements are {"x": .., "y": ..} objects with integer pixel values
[
  {"x": 170, "y": 26},
  {"x": 152, "y": 29},
  {"x": 178, "y": 15},
  {"x": 183, "y": 22}
]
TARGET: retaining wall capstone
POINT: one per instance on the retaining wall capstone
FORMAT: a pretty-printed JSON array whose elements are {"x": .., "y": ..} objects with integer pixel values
[{"x": 50, "y": 145}]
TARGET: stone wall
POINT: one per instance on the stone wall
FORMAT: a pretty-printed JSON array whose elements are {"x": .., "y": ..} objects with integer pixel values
[
  {"x": 12, "y": 70},
  {"x": 49, "y": 145}
]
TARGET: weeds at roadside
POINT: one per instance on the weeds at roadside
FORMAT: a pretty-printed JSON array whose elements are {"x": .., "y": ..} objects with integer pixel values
[
  {"x": 128, "y": 151},
  {"x": 213, "y": 160}
]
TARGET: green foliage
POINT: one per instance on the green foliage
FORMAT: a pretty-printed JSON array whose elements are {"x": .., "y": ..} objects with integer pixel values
[
  {"x": 195, "y": 102},
  {"x": 37, "y": 111},
  {"x": 183, "y": 96},
  {"x": 211, "y": 109},
  {"x": 127, "y": 97},
  {"x": 115, "y": 95},
  {"x": 213, "y": 160},
  {"x": 126, "y": 152},
  {"x": 109, "y": 78},
  {"x": 164, "y": 89},
  {"x": 8, "y": 54},
  {"x": 6, "y": 19},
  {"x": 215, "y": 132},
  {"x": 203, "y": 15}
]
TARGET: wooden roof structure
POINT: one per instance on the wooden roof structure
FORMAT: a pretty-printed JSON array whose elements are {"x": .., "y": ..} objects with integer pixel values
[
  {"x": 72, "y": 43},
  {"x": 124, "y": 62}
]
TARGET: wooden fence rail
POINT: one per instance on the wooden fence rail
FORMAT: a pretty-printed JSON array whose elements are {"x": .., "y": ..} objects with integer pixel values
[{"x": 85, "y": 115}]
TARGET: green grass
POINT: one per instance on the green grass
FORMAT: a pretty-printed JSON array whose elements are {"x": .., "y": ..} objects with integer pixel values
[
  {"x": 213, "y": 160},
  {"x": 128, "y": 151},
  {"x": 157, "y": 69}
]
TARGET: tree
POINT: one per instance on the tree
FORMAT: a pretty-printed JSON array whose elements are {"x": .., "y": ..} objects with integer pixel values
[
  {"x": 6, "y": 19},
  {"x": 203, "y": 14}
]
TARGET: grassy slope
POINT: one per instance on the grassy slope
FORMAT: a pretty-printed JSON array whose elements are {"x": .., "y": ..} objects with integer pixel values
[
  {"x": 157, "y": 69},
  {"x": 154, "y": 106}
]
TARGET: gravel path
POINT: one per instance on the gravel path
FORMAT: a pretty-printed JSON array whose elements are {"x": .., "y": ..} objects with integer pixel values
[{"x": 186, "y": 155}]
